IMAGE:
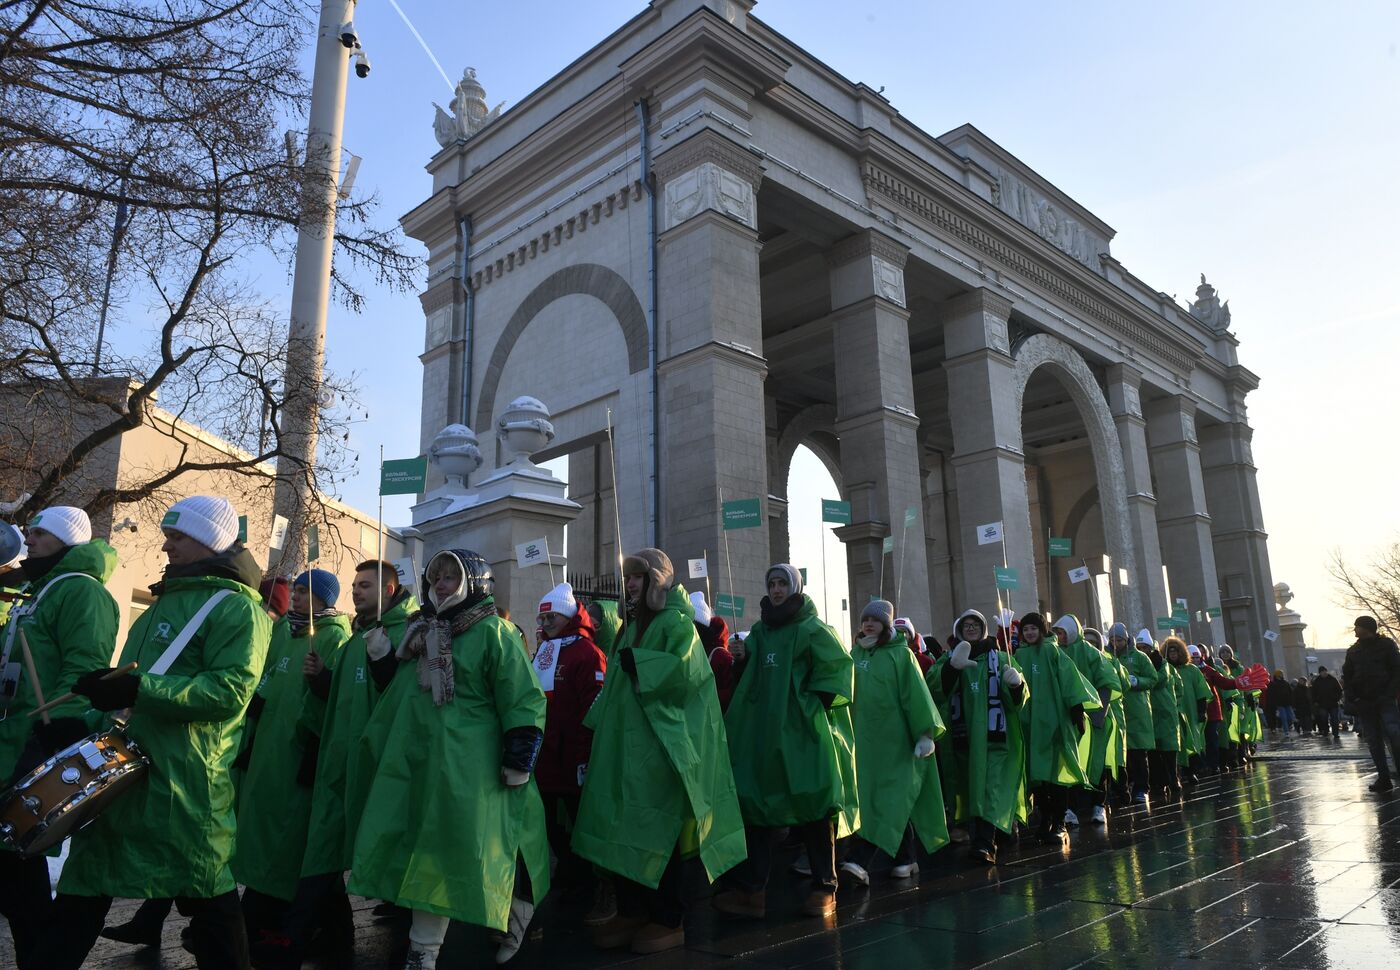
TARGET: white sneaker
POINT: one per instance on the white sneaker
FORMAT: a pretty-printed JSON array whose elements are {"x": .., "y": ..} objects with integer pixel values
[
  {"x": 1140, "y": 798},
  {"x": 1071, "y": 819},
  {"x": 905, "y": 871},
  {"x": 1100, "y": 816},
  {"x": 800, "y": 866},
  {"x": 856, "y": 872},
  {"x": 421, "y": 958},
  {"x": 520, "y": 914}
]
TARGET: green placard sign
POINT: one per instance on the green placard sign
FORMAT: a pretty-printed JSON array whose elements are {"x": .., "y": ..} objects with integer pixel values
[
  {"x": 1215, "y": 612},
  {"x": 243, "y": 529},
  {"x": 911, "y": 515},
  {"x": 887, "y": 546},
  {"x": 1007, "y": 578},
  {"x": 1061, "y": 548},
  {"x": 313, "y": 543},
  {"x": 835, "y": 510},
  {"x": 727, "y": 604},
  {"x": 1167, "y": 623},
  {"x": 803, "y": 573},
  {"x": 403, "y": 476},
  {"x": 742, "y": 513},
  {"x": 1181, "y": 617}
]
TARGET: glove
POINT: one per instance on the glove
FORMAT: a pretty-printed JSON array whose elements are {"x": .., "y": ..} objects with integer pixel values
[
  {"x": 377, "y": 645},
  {"x": 1098, "y": 717},
  {"x": 108, "y": 695},
  {"x": 961, "y": 657},
  {"x": 59, "y": 734},
  {"x": 1077, "y": 716},
  {"x": 514, "y": 777},
  {"x": 519, "y": 749},
  {"x": 628, "y": 659},
  {"x": 923, "y": 748},
  {"x": 1011, "y": 677},
  {"x": 1132, "y": 680},
  {"x": 581, "y": 774}
]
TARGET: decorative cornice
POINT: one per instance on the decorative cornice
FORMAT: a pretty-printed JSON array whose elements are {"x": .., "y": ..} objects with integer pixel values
[
  {"x": 439, "y": 295},
  {"x": 708, "y": 146},
  {"x": 864, "y": 245},
  {"x": 979, "y": 300},
  {"x": 554, "y": 237}
]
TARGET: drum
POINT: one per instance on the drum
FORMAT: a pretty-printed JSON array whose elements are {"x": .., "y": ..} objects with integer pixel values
[{"x": 68, "y": 791}]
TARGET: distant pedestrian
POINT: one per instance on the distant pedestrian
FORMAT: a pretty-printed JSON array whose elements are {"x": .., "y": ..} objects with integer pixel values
[
  {"x": 1371, "y": 673},
  {"x": 1326, "y": 696},
  {"x": 1278, "y": 704}
]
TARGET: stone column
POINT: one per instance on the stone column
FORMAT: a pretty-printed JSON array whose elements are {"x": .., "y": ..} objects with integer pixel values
[
  {"x": 989, "y": 464},
  {"x": 939, "y": 547},
  {"x": 1145, "y": 571},
  {"x": 711, "y": 367},
  {"x": 1237, "y": 525},
  {"x": 1183, "y": 521},
  {"x": 876, "y": 423}
]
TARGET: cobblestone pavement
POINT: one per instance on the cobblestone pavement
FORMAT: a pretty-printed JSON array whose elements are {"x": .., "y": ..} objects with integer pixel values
[{"x": 1292, "y": 864}]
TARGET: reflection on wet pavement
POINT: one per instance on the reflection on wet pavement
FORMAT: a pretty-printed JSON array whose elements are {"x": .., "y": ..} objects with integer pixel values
[{"x": 1293, "y": 863}]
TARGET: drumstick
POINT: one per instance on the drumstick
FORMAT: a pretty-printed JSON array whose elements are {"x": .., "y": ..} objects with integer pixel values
[
  {"x": 112, "y": 675},
  {"x": 33, "y": 675}
]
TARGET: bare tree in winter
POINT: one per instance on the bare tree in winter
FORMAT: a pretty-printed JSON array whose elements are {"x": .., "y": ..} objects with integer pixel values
[{"x": 1373, "y": 588}]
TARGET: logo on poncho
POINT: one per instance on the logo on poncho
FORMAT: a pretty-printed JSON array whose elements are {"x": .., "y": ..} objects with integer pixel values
[
  {"x": 163, "y": 631},
  {"x": 770, "y": 660},
  {"x": 359, "y": 675}
]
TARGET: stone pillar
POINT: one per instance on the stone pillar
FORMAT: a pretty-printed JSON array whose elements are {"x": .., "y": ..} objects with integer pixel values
[
  {"x": 1183, "y": 521},
  {"x": 876, "y": 423},
  {"x": 1145, "y": 570},
  {"x": 1237, "y": 527},
  {"x": 1290, "y": 650},
  {"x": 939, "y": 548},
  {"x": 711, "y": 367},
  {"x": 989, "y": 464}
]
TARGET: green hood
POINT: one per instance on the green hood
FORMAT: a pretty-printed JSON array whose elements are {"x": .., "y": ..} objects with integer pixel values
[
  {"x": 679, "y": 599},
  {"x": 605, "y": 632},
  {"x": 96, "y": 558}
]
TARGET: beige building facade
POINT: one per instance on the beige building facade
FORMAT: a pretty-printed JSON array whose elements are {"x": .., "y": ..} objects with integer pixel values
[{"x": 702, "y": 235}]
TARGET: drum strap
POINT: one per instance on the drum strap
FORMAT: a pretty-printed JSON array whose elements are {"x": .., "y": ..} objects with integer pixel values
[
  {"x": 182, "y": 639},
  {"x": 30, "y": 608}
]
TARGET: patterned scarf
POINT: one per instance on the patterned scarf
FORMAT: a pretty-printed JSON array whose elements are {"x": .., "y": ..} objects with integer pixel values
[
  {"x": 300, "y": 621},
  {"x": 996, "y": 714},
  {"x": 429, "y": 638}
]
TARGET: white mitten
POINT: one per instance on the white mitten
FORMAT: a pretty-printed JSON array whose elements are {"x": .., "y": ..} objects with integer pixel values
[
  {"x": 377, "y": 645},
  {"x": 923, "y": 748},
  {"x": 1132, "y": 680},
  {"x": 582, "y": 773},
  {"x": 1011, "y": 677},
  {"x": 514, "y": 777},
  {"x": 961, "y": 657}
]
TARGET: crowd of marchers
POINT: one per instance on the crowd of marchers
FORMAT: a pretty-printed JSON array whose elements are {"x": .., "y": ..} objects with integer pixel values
[{"x": 432, "y": 756}]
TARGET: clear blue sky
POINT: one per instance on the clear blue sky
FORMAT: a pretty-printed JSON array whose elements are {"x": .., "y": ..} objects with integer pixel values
[{"x": 1254, "y": 142}]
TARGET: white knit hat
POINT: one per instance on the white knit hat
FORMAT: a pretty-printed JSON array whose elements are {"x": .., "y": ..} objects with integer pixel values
[
  {"x": 1145, "y": 637},
  {"x": 208, "y": 520},
  {"x": 12, "y": 551},
  {"x": 703, "y": 613},
  {"x": 560, "y": 600},
  {"x": 65, "y": 523}
]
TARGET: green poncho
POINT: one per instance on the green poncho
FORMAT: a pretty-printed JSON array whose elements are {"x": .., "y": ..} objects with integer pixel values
[
  {"x": 1166, "y": 709},
  {"x": 440, "y": 832},
  {"x": 605, "y": 631},
  {"x": 330, "y": 844},
  {"x": 790, "y": 755},
  {"x": 71, "y": 630},
  {"x": 990, "y": 772},
  {"x": 892, "y": 709},
  {"x": 273, "y": 809},
  {"x": 1194, "y": 689},
  {"x": 1137, "y": 703},
  {"x": 1056, "y": 753},
  {"x": 1102, "y": 674},
  {"x": 1116, "y": 756},
  {"x": 172, "y": 834},
  {"x": 659, "y": 770}
]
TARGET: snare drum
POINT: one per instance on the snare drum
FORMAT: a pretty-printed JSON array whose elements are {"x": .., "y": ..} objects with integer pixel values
[{"x": 68, "y": 791}]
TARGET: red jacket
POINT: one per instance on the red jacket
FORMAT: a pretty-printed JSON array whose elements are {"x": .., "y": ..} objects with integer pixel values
[
  {"x": 715, "y": 639},
  {"x": 578, "y": 677},
  {"x": 1217, "y": 682}
]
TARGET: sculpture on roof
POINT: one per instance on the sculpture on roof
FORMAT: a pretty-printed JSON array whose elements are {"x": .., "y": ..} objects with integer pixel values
[
  {"x": 469, "y": 112},
  {"x": 1209, "y": 310}
]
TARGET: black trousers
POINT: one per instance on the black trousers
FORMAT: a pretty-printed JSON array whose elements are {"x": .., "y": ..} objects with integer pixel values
[
  {"x": 855, "y": 849},
  {"x": 1164, "y": 773},
  {"x": 1085, "y": 800},
  {"x": 560, "y": 814},
  {"x": 219, "y": 939},
  {"x": 1137, "y": 769},
  {"x": 320, "y": 903},
  {"x": 1211, "y": 759},
  {"x": 24, "y": 902},
  {"x": 665, "y": 904},
  {"x": 819, "y": 837},
  {"x": 1052, "y": 800}
]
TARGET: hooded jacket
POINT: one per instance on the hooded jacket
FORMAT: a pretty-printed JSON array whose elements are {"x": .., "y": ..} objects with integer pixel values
[
  {"x": 1056, "y": 750},
  {"x": 575, "y": 678},
  {"x": 173, "y": 835}
]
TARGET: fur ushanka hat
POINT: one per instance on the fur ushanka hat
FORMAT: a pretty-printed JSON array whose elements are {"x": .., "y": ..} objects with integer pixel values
[{"x": 656, "y": 566}]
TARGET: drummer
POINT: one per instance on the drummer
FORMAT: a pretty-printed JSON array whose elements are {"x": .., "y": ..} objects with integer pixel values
[
  {"x": 172, "y": 835},
  {"x": 70, "y": 622}
]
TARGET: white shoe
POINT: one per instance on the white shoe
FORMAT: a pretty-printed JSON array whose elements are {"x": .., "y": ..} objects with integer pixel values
[
  {"x": 958, "y": 834},
  {"x": 1071, "y": 819},
  {"x": 520, "y": 914},
  {"x": 905, "y": 871},
  {"x": 421, "y": 958},
  {"x": 856, "y": 872},
  {"x": 800, "y": 866},
  {"x": 1140, "y": 798},
  {"x": 1100, "y": 816}
]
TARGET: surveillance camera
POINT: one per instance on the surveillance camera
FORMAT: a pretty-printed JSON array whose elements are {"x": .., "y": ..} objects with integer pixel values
[
  {"x": 348, "y": 37},
  {"x": 361, "y": 64}
]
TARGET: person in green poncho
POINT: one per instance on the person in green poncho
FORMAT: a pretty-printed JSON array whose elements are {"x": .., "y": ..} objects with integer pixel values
[
  {"x": 1102, "y": 675},
  {"x": 274, "y": 798},
  {"x": 1137, "y": 704},
  {"x": 790, "y": 742},
  {"x": 606, "y": 624},
  {"x": 985, "y": 691},
  {"x": 896, "y": 725},
  {"x": 70, "y": 622},
  {"x": 1116, "y": 755},
  {"x": 1054, "y": 724},
  {"x": 452, "y": 825},
  {"x": 658, "y": 788},
  {"x": 1166, "y": 728},
  {"x": 1195, "y": 696},
  {"x": 172, "y": 835}
]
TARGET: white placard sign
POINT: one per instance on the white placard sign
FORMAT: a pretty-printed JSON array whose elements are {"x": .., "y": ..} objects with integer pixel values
[
  {"x": 1079, "y": 575},
  {"x": 532, "y": 553},
  {"x": 699, "y": 569},
  {"x": 989, "y": 533},
  {"x": 1270, "y": 635},
  {"x": 279, "y": 531},
  {"x": 404, "y": 567}
]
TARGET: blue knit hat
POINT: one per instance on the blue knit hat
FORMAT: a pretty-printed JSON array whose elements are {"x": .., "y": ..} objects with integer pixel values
[{"x": 322, "y": 583}]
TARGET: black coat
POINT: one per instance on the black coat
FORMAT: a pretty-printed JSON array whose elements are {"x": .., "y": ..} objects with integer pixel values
[
  {"x": 1278, "y": 694},
  {"x": 1371, "y": 674},
  {"x": 1326, "y": 692}
]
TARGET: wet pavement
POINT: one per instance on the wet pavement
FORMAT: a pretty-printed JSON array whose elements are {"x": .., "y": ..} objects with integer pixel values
[{"x": 1292, "y": 864}]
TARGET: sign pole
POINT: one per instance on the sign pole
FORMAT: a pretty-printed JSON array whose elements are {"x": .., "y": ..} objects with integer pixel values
[
  {"x": 1094, "y": 595},
  {"x": 826, "y": 601},
  {"x": 728, "y": 564},
  {"x": 617, "y": 516},
  {"x": 549, "y": 561},
  {"x": 379, "y": 567},
  {"x": 899, "y": 577},
  {"x": 705, "y": 554}
]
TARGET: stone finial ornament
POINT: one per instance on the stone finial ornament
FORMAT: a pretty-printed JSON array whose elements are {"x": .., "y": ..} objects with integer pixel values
[
  {"x": 524, "y": 427},
  {"x": 457, "y": 452},
  {"x": 469, "y": 112},
  {"x": 1209, "y": 310}
]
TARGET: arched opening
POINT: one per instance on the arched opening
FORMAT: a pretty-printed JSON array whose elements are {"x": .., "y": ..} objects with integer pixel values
[{"x": 811, "y": 543}]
